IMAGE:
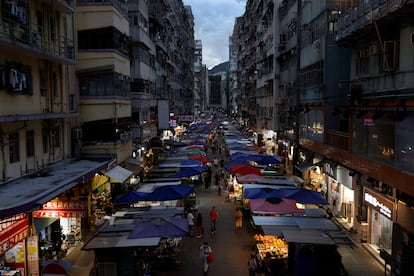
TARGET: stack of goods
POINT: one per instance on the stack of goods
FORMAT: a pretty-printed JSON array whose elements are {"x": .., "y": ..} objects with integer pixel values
[{"x": 276, "y": 246}]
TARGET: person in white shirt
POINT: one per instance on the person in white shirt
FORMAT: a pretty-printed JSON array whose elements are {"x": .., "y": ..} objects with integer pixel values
[{"x": 190, "y": 219}]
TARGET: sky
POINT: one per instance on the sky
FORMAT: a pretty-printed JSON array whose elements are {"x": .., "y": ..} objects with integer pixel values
[{"x": 213, "y": 25}]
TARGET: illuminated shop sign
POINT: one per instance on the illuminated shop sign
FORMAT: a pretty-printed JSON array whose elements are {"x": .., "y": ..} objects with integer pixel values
[
  {"x": 62, "y": 209},
  {"x": 12, "y": 231},
  {"x": 379, "y": 203}
]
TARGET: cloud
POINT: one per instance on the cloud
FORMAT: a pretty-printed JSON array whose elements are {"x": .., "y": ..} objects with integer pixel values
[{"x": 213, "y": 24}]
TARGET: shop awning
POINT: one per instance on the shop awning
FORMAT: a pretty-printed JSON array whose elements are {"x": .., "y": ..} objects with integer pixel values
[
  {"x": 120, "y": 241},
  {"x": 307, "y": 237},
  {"x": 30, "y": 192},
  {"x": 133, "y": 165},
  {"x": 119, "y": 174}
]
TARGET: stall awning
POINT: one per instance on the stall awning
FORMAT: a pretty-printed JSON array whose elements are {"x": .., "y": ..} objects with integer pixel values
[
  {"x": 120, "y": 241},
  {"x": 307, "y": 237},
  {"x": 27, "y": 193},
  {"x": 133, "y": 165},
  {"x": 119, "y": 174}
]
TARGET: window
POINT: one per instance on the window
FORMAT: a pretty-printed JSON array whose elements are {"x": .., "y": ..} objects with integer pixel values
[
  {"x": 390, "y": 56},
  {"x": 103, "y": 85},
  {"x": 30, "y": 143},
  {"x": 45, "y": 140},
  {"x": 14, "y": 151},
  {"x": 362, "y": 64},
  {"x": 56, "y": 136}
]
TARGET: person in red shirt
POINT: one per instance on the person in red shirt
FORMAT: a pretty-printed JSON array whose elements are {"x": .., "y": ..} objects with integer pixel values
[{"x": 213, "y": 219}]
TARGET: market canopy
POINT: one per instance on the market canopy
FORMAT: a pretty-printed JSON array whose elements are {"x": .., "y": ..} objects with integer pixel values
[
  {"x": 170, "y": 192},
  {"x": 245, "y": 157},
  {"x": 244, "y": 169},
  {"x": 247, "y": 178},
  {"x": 201, "y": 158},
  {"x": 164, "y": 227},
  {"x": 130, "y": 197},
  {"x": 119, "y": 174},
  {"x": 187, "y": 172},
  {"x": 305, "y": 196},
  {"x": 274, "y": 205},
  {"x": 262, "y": 193},
  {"x": 269, "y": 159}
]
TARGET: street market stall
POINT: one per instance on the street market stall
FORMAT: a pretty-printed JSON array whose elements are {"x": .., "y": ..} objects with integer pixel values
[
  {"x": 136, "y": 240},
  {"x": 305, "y": 242}
]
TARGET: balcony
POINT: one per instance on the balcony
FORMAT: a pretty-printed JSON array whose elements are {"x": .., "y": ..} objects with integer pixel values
[
  {"x": 34, "y": 40},
  {"x": 355, "y": 20},
  {"x": 140, "y": 37},
  {"x": 337, "y": 139}
]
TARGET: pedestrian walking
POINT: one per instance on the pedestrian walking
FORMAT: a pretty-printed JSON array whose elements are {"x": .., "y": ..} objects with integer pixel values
[
  {"x": 190, "y": 219},
  {"x": 238, "y": 218},
  {"x": 213, "y": 219},
  {"x": 205, "y": 251},
  {"x": 200, "y": 227},
  {"x": 252, "y": 265}
]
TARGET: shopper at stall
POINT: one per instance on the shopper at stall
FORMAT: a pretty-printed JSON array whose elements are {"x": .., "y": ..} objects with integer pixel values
[
  {"x": 213, "y": 219},
  {"x": 205, "y": 250},
  {"x": 200, "y": 227},
  {"x": 238, "y": 218},
  {"x": 190, "y": 219},
  {"x": 252, "y": 265},
  {"x": 267, "y": 264}
]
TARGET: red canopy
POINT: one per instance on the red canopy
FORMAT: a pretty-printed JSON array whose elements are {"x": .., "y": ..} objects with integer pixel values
[
  {"x": 244, "y": 169},
  {"x": 201, "y": 158},
  {"x": 270, "y": 205}
]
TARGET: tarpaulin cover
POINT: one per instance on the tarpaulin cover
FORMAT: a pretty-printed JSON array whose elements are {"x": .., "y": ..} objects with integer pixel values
[
  {"x": 190, "y": 172},
  {"x": 170, "y": 192},
  {"x": 160, "y": 227},
  {"x": 281, "y": 206},
  {"x": 244, "y": 169}
]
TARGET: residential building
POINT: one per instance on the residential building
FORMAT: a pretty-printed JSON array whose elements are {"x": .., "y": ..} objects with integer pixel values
[
  {"x": 235, "y": 94},
  {"x": 199, "y": 79},
  {"x": 44, "y": 174},
  {"x": 172, "y": 27},
  {"x": 103, "y": 71},
  {"x": 380, "y": 103}
]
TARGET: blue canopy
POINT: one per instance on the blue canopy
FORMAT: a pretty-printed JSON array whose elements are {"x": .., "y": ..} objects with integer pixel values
[
  {"x": 170, "y": 192},
  {"x": 190, "y": 162},
  {"x": 247, "y": 157},
  {"x": 269, "y": 159},
  {"x": 300, "y": 195},
  {"x": 130, "y": 197},
  {"x": 305, "y": 196},
  {"x": 191, "y": 171},
  {"x": 253, "y": 193},
  {"x": 164, "y": 227}
]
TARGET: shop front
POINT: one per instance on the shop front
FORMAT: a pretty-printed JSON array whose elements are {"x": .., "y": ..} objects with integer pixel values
[
  {"x": 379, "y": 220},
  {"x": 13, "y": 233},
  {"x": 339, "y": 193}
]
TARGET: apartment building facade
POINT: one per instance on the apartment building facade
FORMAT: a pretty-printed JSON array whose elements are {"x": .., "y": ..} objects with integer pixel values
[{"x": 342, "y": 100}]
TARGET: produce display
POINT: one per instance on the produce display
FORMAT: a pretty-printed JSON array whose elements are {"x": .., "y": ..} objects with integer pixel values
[{"x": 276, "y": 246}]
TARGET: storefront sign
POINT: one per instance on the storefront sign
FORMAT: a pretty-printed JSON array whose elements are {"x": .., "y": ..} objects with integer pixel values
[
  {"x": 379, "y": 203},
  {"x": 12, "y": 231},
  {"x": 62, "y": 209}
]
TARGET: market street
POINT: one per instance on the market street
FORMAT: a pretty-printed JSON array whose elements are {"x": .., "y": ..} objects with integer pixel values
[{"x": 231, "y": 249}]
